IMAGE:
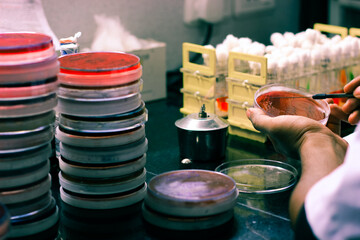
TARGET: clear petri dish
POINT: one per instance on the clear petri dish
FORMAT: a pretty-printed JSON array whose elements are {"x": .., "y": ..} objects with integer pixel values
[
  {"x": 103, "y": 201},
  {"x": 275, "y": 100},
  {"x": 103, "y": 186},
  {"x": 191, "y": 193},
  {"x": 12, "y": 142},
  {"x": 260, "y": 176},
  {"x": 100, "y": 140},
  {"x": 107, "y": 124},
  {"x": 104, "y": 155},
  {"x": 100, "y": 92},
  {"x": 27, "y": 123},
  {"x": 101, "y": 171},
  {"x": 26, "y": 193},
  {"x": 27, "y": 107},
  {"x": 99, "y": 69},
  {"x": 85, "y": 107}
]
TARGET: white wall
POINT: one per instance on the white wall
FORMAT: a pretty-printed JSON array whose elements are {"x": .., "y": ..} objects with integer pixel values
[{"x": 162, "y": 20}]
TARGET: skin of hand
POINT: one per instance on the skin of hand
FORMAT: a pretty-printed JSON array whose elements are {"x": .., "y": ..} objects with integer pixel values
[
  {"x": 320, "y": 150},
  {"x": 336, "y": 116},
  {"x": 352, "y": 105}
]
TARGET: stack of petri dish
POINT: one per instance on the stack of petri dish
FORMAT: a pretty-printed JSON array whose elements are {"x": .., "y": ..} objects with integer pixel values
[
  {"x": 101, "y": 130},
  {"x": 28, "y": 85}
]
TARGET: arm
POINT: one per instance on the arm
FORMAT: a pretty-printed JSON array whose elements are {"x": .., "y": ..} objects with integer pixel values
[{"x": 320, "y": 150}]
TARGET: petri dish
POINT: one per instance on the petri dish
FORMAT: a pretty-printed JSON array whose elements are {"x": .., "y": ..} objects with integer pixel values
[
  {"x": 27, "y": 123},
  {"x": 12, "y": 142},
  {"x": 100, "y": 92},
  {"x": 27, "y": 107},
  {"x": 107, "y": 124},
  {"x": 191, "y": 193},
  {"x": 26, "y": 193},
  {"x": 101, "y": 171},
  {"x": 19, "y": 178},
  {"x": 86, "y": 107},
  {"x": 103, "y": 201},
  {"x": 104, "y": 155},
  {"x": 276, "y": 100},
  {"x": 99, "y": 69},
  {"x": 24, "y": 47},
  {"x": 18, "y": 161},
  {"x": 260, "y": 176},
  {"x": 103, "y": 186},
  {"x": 100, "y": 140}
]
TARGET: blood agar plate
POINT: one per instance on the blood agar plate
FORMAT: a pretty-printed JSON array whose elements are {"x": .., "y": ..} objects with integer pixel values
[
  {"x": 260, "y": 176},
  {"x": 108, "y": 155},
  {"x": 99, "y": 69},
  {"x": 21, "y": 48},
  {"x": 277, "y": 100},
  {"x": 191, "y": 193}
]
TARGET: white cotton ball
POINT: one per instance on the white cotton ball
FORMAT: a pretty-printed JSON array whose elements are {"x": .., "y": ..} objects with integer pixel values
[
  {"x": 311, "y": 35},
  {"x": 315, "y": 56},
  {"x": 221, "y": 53},
  {"x": 276, "y": 37},
  {"x": 269, "y": 49},
  {"x": 206, "y": 56},
  {"x": 290, "y": 38},
  {"x": 245, "y": 41},
  {"x": 354, "y": 47},
  {"x": 230, "y": 42},
  {"x": 336, "y": 39}
]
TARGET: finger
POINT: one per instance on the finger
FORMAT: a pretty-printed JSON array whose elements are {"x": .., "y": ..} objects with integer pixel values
[
  {"x": 337, "y": 114},
  {"x": 259, "y": 119},
  {"x": 354, "y": 117},
  {"x": 350, "y": 87},
  {"x": 350, "y": 105}
]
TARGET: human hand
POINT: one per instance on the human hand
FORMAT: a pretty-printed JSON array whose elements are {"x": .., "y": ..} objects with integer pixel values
[
  {"x": 287, "y": 132},
  {"x": 336, "y": 116},
  {"x": 352, "y": 105}
]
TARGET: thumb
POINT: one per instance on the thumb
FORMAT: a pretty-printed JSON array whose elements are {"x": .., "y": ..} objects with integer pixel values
[{"x": 259, "y": 119}]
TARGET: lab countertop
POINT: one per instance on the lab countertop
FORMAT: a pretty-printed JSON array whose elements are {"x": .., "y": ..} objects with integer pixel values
[{"x": 254, "y": 218}]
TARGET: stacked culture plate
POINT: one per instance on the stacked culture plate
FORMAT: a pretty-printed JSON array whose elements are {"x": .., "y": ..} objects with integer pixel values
[
  {"x": 28, "y": 85},
  {"x": 101, "y": 130}
]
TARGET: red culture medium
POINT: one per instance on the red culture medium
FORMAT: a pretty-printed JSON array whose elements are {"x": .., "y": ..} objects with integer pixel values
[{"x": 288, "y": 103}]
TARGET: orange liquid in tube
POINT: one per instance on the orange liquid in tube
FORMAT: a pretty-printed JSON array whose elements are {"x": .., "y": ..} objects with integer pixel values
[{"x": 288, "y": 103}]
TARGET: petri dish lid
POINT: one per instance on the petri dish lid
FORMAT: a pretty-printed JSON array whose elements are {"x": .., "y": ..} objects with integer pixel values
[
  {"x": 99, "y": 69},
  {"x": 24, "y": 42},
  {"x": 24, "y": 47},
  {"x": 98, "y": 62},
  {"x": 191, "y": 193},
  {"x": 260, "y": 176}
]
